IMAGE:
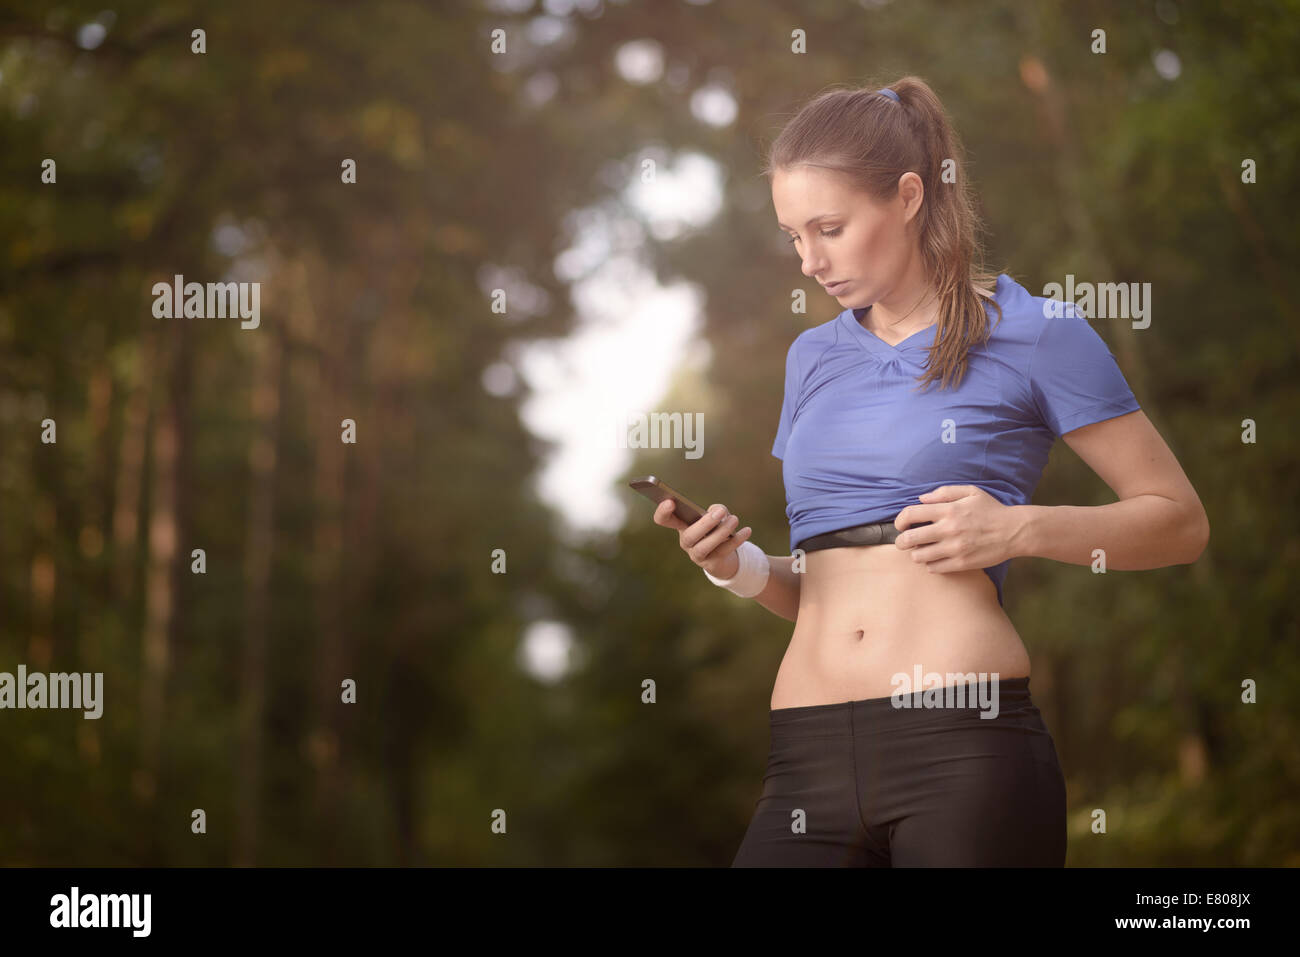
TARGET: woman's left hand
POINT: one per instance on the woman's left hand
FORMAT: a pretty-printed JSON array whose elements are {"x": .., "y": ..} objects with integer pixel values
[{"x": 969, "y": 529}]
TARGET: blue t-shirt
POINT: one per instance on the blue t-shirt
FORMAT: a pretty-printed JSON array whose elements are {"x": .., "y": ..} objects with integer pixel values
[{"x": 858, "y": 445}]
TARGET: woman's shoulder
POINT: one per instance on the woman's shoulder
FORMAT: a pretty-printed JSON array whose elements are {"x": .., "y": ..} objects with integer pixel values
[
  {"x": 816, "y": 338},
  {"x": 1023, "y": 315}
]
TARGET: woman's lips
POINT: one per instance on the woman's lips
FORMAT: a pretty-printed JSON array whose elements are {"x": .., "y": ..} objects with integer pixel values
[{"x": 837, "y": 288}]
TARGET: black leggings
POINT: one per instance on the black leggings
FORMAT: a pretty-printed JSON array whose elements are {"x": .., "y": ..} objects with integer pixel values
[{"x": 865, "y": 784}]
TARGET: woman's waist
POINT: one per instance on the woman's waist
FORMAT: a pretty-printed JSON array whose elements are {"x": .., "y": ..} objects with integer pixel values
[
  {"x": 825, "y": 664},
  {"x": 878, "y": 645}
]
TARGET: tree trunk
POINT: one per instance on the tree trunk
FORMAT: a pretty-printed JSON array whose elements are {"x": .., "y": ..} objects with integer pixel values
[
  {"x": 335, "y": 404},
  {"x": 264, "y": 458},
  {"x": 130, "y": 470},
  {"x": 159, "y": 590}
]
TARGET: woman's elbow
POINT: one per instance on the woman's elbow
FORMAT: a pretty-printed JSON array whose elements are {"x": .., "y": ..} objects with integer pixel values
[{"x": 1200, "y": 536}]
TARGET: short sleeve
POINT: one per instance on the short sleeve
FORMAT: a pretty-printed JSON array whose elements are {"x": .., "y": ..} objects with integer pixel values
[
  {"x": 1073, "y": 377},
  {"x": 793, "y": 380}
]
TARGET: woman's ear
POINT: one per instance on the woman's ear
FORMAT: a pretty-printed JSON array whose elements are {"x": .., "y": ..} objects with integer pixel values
[{"x": 912, "y": 192}]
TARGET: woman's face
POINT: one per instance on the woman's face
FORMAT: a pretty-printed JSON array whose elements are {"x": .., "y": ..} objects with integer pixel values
[{"x": 852, "y": 238}]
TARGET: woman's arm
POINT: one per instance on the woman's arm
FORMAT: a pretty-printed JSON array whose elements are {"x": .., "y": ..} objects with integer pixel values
[
  {"x": 1158, "y": 521},
  {"x": 780, "y": 595},
  {"x": 1146, "y": 531}
]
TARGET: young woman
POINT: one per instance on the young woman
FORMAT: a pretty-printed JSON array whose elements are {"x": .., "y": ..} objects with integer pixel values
[{"x": 914, "y": 429}]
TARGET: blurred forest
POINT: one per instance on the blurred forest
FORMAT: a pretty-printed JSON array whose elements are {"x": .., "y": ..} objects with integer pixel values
[{"x": 372, "y": 561}]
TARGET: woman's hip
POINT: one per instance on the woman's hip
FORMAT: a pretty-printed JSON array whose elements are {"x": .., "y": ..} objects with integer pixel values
[{"x": 928, "y": 734}]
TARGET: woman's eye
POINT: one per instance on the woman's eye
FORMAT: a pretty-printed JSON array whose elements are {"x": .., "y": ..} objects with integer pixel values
[{"x": 828, "y": 233}]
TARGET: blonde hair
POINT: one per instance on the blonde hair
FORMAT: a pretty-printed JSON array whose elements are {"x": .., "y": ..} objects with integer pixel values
[{"x": 871, "y": 141}]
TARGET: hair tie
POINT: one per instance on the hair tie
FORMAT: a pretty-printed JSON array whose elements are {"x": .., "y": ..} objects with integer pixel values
[{"x": 891, "y": 94}]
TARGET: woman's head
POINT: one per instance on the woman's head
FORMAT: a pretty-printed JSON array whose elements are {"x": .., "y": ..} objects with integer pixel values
[
  {"x": 845, "y": 235},
  {"x": 893, "y": 172}
]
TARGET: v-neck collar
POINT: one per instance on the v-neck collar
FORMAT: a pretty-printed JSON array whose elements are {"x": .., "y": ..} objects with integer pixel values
[{"x": 920, "y": 339}]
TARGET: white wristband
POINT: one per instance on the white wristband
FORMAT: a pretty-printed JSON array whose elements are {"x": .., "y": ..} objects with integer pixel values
[{"x": 750, "y": 577}]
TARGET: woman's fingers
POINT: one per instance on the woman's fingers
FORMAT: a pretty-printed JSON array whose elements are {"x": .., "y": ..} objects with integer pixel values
[
  {"x": 722, "y": 542},
  {"x": 702, "y": 527},
  {"x": 707, "y": 539},
  {"x": 665, "y": 516},
  {"x": 718, "y": 543}
]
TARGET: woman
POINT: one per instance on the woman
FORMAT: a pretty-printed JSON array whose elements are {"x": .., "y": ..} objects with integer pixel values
[{"x": 869, "y": 185}]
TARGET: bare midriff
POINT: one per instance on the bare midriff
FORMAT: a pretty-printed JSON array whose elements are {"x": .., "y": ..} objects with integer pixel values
[{"x": 869, "y": 612}]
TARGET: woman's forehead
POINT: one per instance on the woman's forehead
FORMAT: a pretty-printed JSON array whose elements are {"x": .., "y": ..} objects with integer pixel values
[{"x": 805, "y": 195}]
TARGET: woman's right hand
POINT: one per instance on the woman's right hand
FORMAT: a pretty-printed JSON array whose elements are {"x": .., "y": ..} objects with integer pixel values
[{"x": 706, "y": 540}]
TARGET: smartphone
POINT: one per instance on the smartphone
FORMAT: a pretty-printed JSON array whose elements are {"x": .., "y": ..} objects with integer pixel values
[{"x": 657, "y": 490}]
